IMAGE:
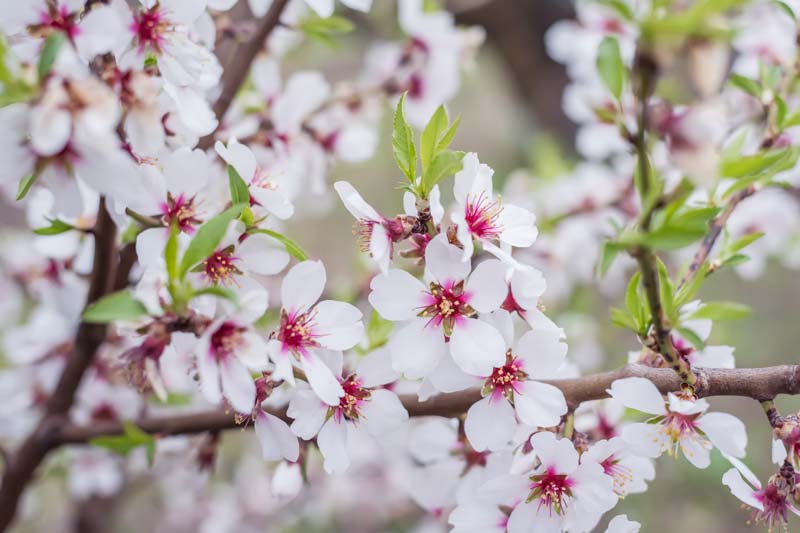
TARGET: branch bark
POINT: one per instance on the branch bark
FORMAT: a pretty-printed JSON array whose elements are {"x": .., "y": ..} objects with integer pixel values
[
  {"x": 242, "y": 57},
  {"x": 757, "y": 383},
  {"x": 22, "y": 465}
]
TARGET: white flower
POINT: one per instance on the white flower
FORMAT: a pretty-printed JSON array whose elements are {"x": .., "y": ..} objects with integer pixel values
[
  {"x": 512, "y": 388},
  {"x": 561, "y": 494},
  {"x": 442, "y": 317},
  {"x": 363, "y": 406},
  {"x": 629, "y": 471},
  {"x": 323, "y": 8},
  {"x": 482, "y": 216},
  {"x": 308, "y": 326},
  {"x": 621, "y": 524},
  {"x": 680, "y": 423},
  {"x": 770, "y": 504},
  {"x": 265, "y": 193}
]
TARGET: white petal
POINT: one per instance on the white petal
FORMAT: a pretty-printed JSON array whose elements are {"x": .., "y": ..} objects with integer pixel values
[
  {"x": 237, "y": 385},
  {"x": 778, "y": 452},
  {"x": 519, "y": 226},
  {"x": 375, "y": 368},
  {"x": 527, "y": 286},
  {"x": 559, "y": 454},
  {"x": 383, "y": 412},
  {"x": 209, "y": 375},
  {"x": 416, "y": 349},
  {"x": 274, "y": 201},
  {"x": 338, "y": 325},
  {"x": 593, "y": 490},
  {"x": 321, "y": 379},
  {"x": 733, "y": 480},
  {"x": 276, "y": 439},
  {"x": 542, "y": 353},
  {"x": 253, "y": 351},
  {"x": 621, "y": 524},
  {"x": 302, "y": 286},
  {"x": 639, "y": 394},
  {"x": 308, "y": 412},
  {"x": 354, "y": 203},
  {"x": 332, "y": 442},
  {"x": 324, "y": 8},
  {"x": 490, "y": 424},
  {"x": 443, "y": 261},
  {"x": 262, "y": 254},
  {"x": 396, "y": 295},
  {"x": 540, "y": 404},
  {"x": 487, "y": 286},
  {"x": 726, "y": 432},
  {"x": 477, "y": 347},
  {"x": 696, "y": 449}
]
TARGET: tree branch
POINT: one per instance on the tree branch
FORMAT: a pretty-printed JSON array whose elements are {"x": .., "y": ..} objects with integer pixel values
[
  {"x": 758, "y": 383},
  {"x": 22, "y": 465},
  {"x": 242, "y": 57}
]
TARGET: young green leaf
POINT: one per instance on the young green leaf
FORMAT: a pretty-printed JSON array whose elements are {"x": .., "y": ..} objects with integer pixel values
[
  {"x": 171, "y": 253},
  {"x": 721, "y": 311},
  {"x": 744, "y": 242},
  {"x": 207, "y": 239},
  {"x": 444, "y": 164},
  {"x": 403, "y": 142},
  {"x": 119, "y": 305},
  {"x": 49, "y": 53},
  {"x": 220, "y": 292},
  {"x": 749, "y": 86},
  {"x": 608, "y": 253},
  {"x": 324, "y": 30},
  {"x": 127, "y": 442},
  {"x": 25, "y": 185},
  {"x": 692, "y": 337},
  {"x": 610, "y": 66},
  {"x": 292, "y": 247},
  {"x": 447, "y": 136},
  {"x": 240, "y": 194},
  {"x": 56, "y": 227},
  {"x": 433, "y": 132}
]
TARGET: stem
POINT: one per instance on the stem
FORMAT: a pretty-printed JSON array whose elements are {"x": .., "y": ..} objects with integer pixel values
[
  {"x": 569, "y": 425},
  {"x": 774, "y": 417},
  {"x": 755, "y": 383},
  {"x": 22, "y": 465}
]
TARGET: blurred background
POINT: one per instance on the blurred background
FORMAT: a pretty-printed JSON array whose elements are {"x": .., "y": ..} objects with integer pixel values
[{"x": 510, "y": 105}]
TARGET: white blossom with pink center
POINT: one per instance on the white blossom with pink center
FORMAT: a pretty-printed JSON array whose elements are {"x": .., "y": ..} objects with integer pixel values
[
  {"x": 677, "y": 424},
  {"x": 442, "y": 317},
  {"x": 308, "y": 326},
  {"x": 482, "y": 216},
  {"x": 363, "y": 406},
  {"x": 629, "y": 471},
  {"x": 511, "y": 391}
]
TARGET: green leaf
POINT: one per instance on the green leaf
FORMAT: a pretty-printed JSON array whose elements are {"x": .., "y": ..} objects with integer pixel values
[
  {"x": 671, "y": 238},
  {"x": 220, "y": 292},
  {"x": 447, "y": 137},
  {"x": 734, "y": 260},
  {"x": 749, "y": 165},
  {"x": 749, "y": 86},
  {"x": 780, "y": 112},
  {"x": 744, "y": 242},
  {"x": 665, "y": 291},
  {"x": 623, "y": 319},
  {"x": 622, "y": 9},
  {"x": 292, "y": 247},
  {"x": 403, "y": 143},
  {"x": 785, "y": 7},
  {"x": 608, "y": 253},
  {"x": 610, "y": 66},
  {"x": 324, "y": 30},
  {"x": 207, "y": 239},
  {"x": 433, "y": 132},
  {"x": 119, "y": 305},
  {"x": 444, "y": 164},
  {"x": 127, "y": 442},
  {"x": 56, "y": 227},
  {"x": 692, "y": 337},
  {"x": 378, "y": 331},
  {"x": 721, "y": 311},
  {"x": 171, "y": 253},
  {"x": 25, "y": 185},
  {"x": 240, "y": 194},
  {"x": 49, "y": 53}
]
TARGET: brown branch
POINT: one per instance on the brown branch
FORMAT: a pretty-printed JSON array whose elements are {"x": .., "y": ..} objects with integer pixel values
[
  {"x": 242, "y": 56},
  {"x": 22, "y": 465},
  {"x": 714, "y": 231},
  {"x": 758, "y": 383}
]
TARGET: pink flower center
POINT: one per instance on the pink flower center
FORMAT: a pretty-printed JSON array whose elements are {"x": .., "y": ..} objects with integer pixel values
[
  {"x": 225, "y": 340},
  {"x": 481, "y": 215},
  {"x": 446, "y": 305},
  {"x": 103, "y": 412},
  {"x": 776, "y": 506},
  {"x": 150, "y": 26},
  {"x": 297, "y": 331},
  {"x": 622, "y": 475},
  {"x": 677, "y": 425},
  {"x": 350, "y": 404},
  {"x": 220, "y": 267},
  {"x": 60, "y": 19},
  {"x": 552, "y": 490},
  {"x": 180, "y": 210},
  {"x": 505, "y": 380}
]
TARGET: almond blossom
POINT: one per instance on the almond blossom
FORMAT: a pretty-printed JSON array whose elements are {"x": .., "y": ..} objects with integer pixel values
[
  {"x": 442, "y": 318},
  {"x": 512, "y": 389},
  {"x": 772, "y": 504},
  {"x": 483, "y": 217},
  {"x": 363, "y": 406},
  {"x": 678, "y": 423},
  {"x": 308, "y": 326}
]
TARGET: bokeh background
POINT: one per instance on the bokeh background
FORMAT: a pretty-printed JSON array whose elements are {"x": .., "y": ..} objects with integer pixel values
[{"x": 510, "y": 106}]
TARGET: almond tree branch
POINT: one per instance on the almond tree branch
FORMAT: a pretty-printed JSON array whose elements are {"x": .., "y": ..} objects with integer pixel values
[
  {"x": 757, "y": 383},
  {"x": 714, "y": 231},
  {"x": 242, "y": 56},
  {"x": 21, "y": 465}
]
